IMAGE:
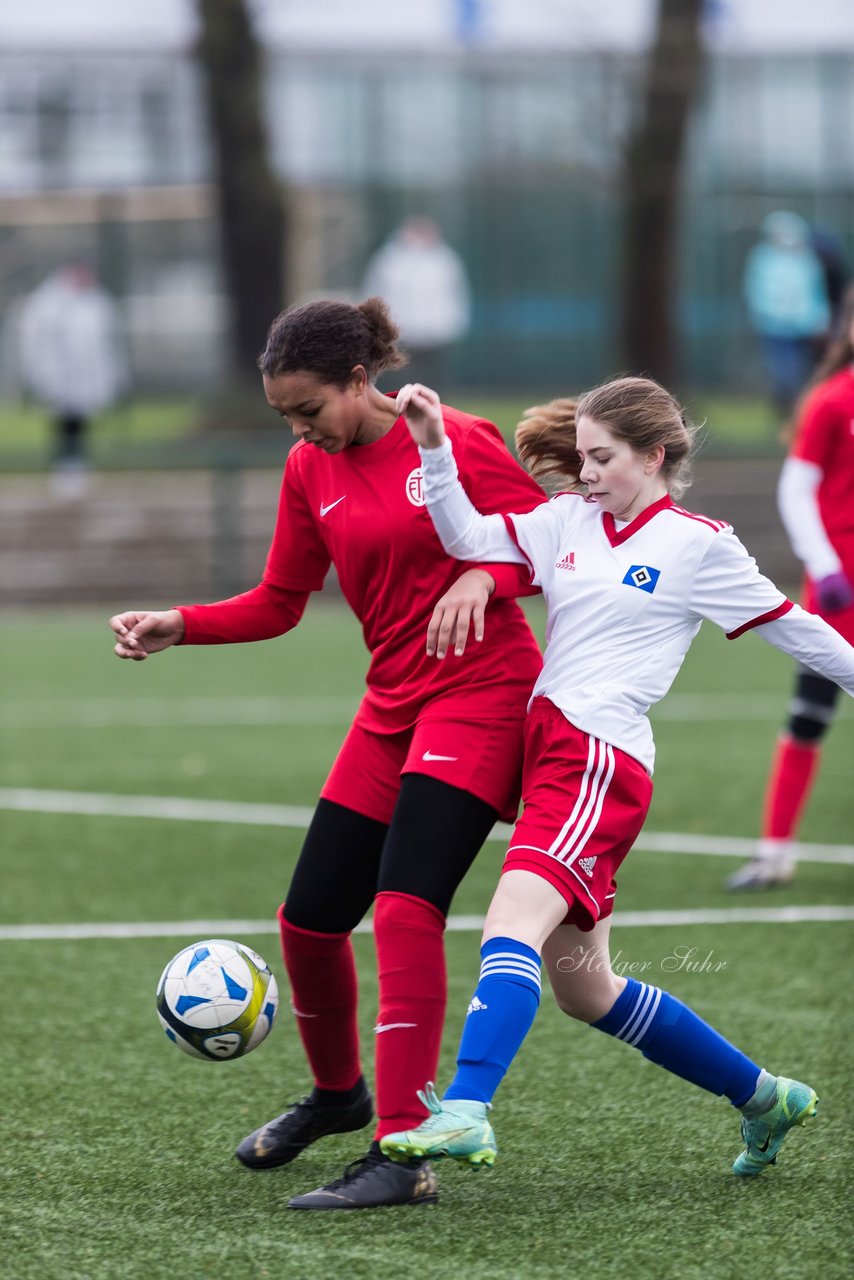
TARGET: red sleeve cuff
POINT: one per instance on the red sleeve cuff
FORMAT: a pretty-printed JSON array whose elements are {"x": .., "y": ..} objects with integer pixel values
[
  {"x": 511, "y": 581},
  {"x": 771, "y": 616}
]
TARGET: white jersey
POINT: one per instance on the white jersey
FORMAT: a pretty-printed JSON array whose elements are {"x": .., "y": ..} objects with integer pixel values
[
  {"x": 625, "y": 603},
  {"x": 624, "y": 606}
]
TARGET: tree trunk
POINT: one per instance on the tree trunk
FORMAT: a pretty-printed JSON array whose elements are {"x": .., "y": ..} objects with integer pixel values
[
  {"x": 252, "y": 223},
  {"x": 652, "y": 180}
]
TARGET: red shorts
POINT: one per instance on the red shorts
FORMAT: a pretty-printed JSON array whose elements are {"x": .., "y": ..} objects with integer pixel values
[
  {"x": 584, "y": 803},
  {"x": 483, "y": 757}
]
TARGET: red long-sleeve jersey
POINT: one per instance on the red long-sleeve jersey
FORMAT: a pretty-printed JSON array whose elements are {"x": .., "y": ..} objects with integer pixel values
[
  {"x": 363, "y": 510},
  {"x": 825, "y": 437}
]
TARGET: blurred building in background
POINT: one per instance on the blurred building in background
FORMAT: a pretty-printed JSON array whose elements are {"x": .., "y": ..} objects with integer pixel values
[{"x": 504, "y": 123}]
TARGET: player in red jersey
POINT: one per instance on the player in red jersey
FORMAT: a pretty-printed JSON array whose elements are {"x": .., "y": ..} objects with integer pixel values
[
  {"x": 816, "y": 500},
  {"x": 434, "y": 754}
]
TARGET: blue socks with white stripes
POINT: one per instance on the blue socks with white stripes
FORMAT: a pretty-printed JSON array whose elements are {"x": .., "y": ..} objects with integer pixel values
[
  {"x": 670, "y": 1034},
  {"x": 665, "y": 1030},
  {"x": 499, "y": 1017}
]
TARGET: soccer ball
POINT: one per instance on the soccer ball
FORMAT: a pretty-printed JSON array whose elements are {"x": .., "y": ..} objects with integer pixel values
[{"x": 217, "y": 999}]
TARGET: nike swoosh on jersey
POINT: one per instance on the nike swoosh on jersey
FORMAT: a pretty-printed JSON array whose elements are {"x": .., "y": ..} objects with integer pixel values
[
  {"x": 428, "y": 755},
  {"x": 325, "y": 508},
  {"x": 392, "y": 1026}
]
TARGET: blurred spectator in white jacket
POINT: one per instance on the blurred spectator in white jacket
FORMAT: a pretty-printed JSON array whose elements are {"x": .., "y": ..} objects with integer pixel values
[
  {"x": 73, "y": 361},
  {"x": 424, "y": 282}
]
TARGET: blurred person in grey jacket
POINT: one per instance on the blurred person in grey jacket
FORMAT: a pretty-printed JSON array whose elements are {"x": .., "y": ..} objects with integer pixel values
[{"x": 73, "y": 362}]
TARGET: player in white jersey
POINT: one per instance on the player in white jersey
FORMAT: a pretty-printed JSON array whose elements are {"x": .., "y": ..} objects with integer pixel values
[{"x": 628, "y": 578}]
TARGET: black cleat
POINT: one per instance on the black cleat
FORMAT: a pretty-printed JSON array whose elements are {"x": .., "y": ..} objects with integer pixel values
[
  {"x": 372, "y": 1182},
  {"x": 281, "y": 1140}
]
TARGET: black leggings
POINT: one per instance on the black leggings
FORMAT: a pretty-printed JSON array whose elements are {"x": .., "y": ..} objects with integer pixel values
[
  {"x": 812, "y": 707},
  {"x": 347, "y": 859}
]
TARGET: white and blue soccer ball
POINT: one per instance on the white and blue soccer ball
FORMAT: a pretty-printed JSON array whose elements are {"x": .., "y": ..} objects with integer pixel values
[{"x": 217, "y": 999}]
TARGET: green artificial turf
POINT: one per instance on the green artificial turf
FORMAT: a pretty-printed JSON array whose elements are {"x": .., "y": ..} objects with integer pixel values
[{"x": 118, "y": 1149}]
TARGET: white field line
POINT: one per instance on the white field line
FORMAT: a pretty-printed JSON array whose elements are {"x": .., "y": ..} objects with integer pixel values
[
  {"x": 120, "y": 713},
  {"x": 319, "y": 709},
  {"x": 456, "y": 924},
  {"x": 178, "y": 808},
  {"x": 175, "y": 808}
]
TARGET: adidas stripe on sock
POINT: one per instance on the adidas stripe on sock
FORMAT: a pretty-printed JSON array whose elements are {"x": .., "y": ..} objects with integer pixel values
[
  {"x": 670, "y": 1034},
  {"x": 499, "y": 1017}
]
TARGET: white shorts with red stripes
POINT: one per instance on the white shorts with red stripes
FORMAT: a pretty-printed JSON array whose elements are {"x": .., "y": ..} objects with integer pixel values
[{"x": 584, "y": 803}]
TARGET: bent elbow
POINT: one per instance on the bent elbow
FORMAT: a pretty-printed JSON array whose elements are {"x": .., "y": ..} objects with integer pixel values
[{"x": 459, "y": 549}]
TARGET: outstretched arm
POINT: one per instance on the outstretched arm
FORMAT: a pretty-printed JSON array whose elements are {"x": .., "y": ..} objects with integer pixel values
[
  {"x": 810, "y": 640},
  {"x": 260, "y": 614}
]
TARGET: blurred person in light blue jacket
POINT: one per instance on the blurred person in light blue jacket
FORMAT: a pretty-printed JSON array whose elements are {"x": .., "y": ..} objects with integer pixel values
[{"x": 786, "y": 295}]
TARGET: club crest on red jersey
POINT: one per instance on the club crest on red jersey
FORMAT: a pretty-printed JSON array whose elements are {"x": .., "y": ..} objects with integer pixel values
[
  {"x": 642, "y": 576},
  {"x": 415, "y": 488}
]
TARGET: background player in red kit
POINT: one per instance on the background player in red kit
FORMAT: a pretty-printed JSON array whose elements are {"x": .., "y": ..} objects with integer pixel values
[
  {"x": 433, "y": 757},
  {"x": 816, "y": 500},
  {"x": 627, "y": 577}
]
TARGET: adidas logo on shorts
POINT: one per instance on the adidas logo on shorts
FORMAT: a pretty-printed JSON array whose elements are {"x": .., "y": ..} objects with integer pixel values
[{"x": 587, "y": 865}]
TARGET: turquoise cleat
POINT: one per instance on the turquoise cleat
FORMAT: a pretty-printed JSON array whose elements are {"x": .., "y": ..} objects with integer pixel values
[
  {"x": 763, "y": 1135},
  {"x": 456, "y": 1128}
]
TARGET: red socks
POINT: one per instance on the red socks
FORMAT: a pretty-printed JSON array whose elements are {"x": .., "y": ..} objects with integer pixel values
[
  {"x": 408, "y": 933},
  {"x": 789, "y": 785},
  {"x": 324, "y": 995}
]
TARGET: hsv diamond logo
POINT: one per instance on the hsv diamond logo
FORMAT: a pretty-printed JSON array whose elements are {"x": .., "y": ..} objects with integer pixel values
[{"x": 642, "y": 576}]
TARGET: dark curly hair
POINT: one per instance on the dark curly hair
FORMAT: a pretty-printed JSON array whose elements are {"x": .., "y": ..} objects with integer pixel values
[{"x": 330, "y": 338}]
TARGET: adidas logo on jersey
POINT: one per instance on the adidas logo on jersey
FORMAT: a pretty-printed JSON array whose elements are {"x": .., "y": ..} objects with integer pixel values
[
  {"x": 568, "y": 561},
  {"x": 587, "y": 865},
  {"x": 476, "y": 1006}
]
